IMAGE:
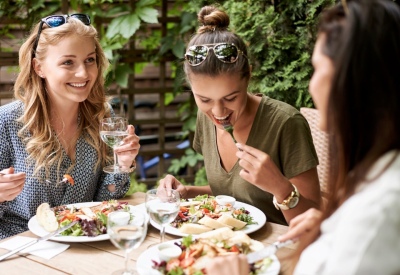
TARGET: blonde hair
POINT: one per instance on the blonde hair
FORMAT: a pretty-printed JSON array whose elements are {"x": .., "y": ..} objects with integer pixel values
[{"x": 44, "y": 149}]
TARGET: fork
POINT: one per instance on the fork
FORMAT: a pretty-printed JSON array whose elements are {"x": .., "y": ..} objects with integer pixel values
[
  {"x": 64, "y": 180},
  {"x": 229, "y": 128}
]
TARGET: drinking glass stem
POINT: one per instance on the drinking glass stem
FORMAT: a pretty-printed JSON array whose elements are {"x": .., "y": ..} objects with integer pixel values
[
  {"x": 162, "y": 234},
  {"x": 127, "y": 271},
  {"x": 115, "y": 159}
]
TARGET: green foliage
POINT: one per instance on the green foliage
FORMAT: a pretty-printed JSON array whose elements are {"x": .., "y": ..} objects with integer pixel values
[
  {"x": 190, "y": 158},
  {"x": 201, "y": 177},
  {"x": 135, "y": 186},
  {"x": 281, "y": 41}
]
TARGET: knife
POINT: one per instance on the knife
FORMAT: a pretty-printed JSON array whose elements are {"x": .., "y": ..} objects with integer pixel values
[
  {"x": 267, "y": 251},
  {"x": 44, "y": 238}
]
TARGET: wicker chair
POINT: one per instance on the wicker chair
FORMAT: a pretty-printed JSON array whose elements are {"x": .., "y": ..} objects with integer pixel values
[{"x": 320, "y": 139}]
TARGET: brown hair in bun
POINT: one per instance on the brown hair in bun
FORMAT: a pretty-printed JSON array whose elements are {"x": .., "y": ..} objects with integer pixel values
[
  {"x": 212, "y": 19},
  {"x": 213, "y": 29}
]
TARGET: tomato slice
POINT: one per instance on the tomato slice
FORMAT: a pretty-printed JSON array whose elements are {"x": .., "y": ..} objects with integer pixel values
[
  {"x": 205, "y": 210},
  {"x": 187, "y": 262},
  {"x": 69, "y": 179}
]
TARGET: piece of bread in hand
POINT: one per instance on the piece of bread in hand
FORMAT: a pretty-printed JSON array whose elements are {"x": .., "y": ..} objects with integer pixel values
[{"x": 46, "y": 217}]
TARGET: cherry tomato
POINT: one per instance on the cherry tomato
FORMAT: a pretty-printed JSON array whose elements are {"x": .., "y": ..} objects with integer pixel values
[{"x": 205, "y": 210}]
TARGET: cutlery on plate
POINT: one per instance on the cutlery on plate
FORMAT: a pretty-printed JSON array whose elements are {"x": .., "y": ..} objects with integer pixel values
[
  {"x": 267, "y": 251},
  {"x": 44, "y": 238}
]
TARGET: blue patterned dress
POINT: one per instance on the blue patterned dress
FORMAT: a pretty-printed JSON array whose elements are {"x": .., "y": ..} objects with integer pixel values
[{"x": 90, "y": 184}]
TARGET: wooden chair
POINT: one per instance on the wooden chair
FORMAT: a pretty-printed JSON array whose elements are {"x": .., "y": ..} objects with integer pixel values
[{"x": 320, "y": 139}]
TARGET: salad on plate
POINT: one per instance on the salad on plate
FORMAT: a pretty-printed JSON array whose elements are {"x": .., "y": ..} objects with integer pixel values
[
  {"x": 92, "y": 221},
  {"x": 203, "y": 213},
  {"x": 197, "y": 252}
]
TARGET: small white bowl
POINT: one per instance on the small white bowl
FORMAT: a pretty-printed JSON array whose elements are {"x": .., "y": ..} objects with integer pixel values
[
  {"x": 120, "y": 217},
  {"x": 168, "y": 251},
  {"x": 225, "y": 200}
]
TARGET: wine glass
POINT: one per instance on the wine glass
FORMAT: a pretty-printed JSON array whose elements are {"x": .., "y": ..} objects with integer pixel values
[
  {"x": 163, "y": 206},
  {"x": 113, "y": 130},
  {"x": 127, "y": 231}
]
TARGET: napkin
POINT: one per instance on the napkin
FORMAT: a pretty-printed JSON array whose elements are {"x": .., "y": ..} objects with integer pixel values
[{"x": 43, "y": 249}]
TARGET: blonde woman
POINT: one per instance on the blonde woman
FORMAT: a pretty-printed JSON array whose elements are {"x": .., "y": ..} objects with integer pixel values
[{"x": 52, "y": 128}]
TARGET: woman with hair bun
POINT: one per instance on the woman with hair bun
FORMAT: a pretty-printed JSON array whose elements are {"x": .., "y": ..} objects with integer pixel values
[{"x": 256, "y": 149}]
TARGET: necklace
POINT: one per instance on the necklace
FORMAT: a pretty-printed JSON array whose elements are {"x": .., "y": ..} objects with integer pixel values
[{"x": 67, "y": 138}]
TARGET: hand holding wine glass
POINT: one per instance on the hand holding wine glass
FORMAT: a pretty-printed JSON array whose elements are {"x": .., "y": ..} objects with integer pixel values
[
  {"x": 127, "y": 231},
  {"x": 163, "y": 206},
  {"x": 113, "y": 130}
]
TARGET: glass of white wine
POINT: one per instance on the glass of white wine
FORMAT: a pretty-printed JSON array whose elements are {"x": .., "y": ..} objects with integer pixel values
[
  {"x": 163, "y": 206},
  {"x": 113, "y": 130},
  {"x": 127, "y": 231}
]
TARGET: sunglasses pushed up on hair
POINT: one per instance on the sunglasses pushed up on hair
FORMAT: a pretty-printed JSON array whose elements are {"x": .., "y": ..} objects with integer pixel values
[
  {"x": 54, "y": 21},
  {"x": 225, "y": 52}
]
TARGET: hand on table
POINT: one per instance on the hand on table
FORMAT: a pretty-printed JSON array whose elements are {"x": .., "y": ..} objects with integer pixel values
[
  {"x": 305, "y": 225},
  {"x": 232, "y": 265},
  {"x": 11, "y": 184},
  {"x": 128, "y": 151}
]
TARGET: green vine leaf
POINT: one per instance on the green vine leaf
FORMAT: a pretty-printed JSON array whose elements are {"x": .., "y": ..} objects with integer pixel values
[
  {"x": 125, "y": 25},
  {"x": 143, "y": 3},
  {"x": 122, "y": 72},
  {"x": 148, "y": 15}
]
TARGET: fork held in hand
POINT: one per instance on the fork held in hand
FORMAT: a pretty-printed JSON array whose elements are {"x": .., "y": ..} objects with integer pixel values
[{"x": 66, "y": 180}]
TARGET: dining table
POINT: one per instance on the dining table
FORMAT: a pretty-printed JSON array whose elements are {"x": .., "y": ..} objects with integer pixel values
[{"x": 102, "y": 257}]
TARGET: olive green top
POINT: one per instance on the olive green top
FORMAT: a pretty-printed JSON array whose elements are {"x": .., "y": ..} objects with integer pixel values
[{"x": 278, "y": 130}]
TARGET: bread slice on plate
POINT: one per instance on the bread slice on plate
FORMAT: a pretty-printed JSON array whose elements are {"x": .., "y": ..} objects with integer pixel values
[
  {"x": 219, "y": 234},
  {"x": 46, "y": 217},
  {"x": 210, "y": 222},
  {"x": 193, "y": 228},
  {"x": 235, "y": 223}
]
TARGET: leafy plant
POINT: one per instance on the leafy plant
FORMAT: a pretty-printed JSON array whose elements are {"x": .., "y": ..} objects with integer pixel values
[
  {"x": 190, "y": 158},
  {"x": 136, "y": 186}
]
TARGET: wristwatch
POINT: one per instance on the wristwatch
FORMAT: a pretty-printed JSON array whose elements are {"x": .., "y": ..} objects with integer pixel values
[{"x": 290, "y": 202}]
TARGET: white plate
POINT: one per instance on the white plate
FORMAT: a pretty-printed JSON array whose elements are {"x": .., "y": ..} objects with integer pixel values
[
  {"x": 38, "y": 230},
  {"x": 144, "y": 264},
  {"x": 257, "y": 214}
]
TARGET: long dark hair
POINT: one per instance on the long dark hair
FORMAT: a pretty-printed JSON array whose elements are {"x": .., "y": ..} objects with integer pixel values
[{"x": 363, "y": 41}]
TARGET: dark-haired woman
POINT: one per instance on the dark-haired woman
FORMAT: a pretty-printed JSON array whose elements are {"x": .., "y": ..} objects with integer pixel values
[
  {"x": 276, "y": 169},
  {"x": 356, "y": 81}
]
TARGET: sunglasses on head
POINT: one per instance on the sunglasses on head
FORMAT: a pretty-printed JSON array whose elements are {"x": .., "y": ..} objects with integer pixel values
[
  {"x": 54, "y": 21},
  {"x": 225, "y": 52}
]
